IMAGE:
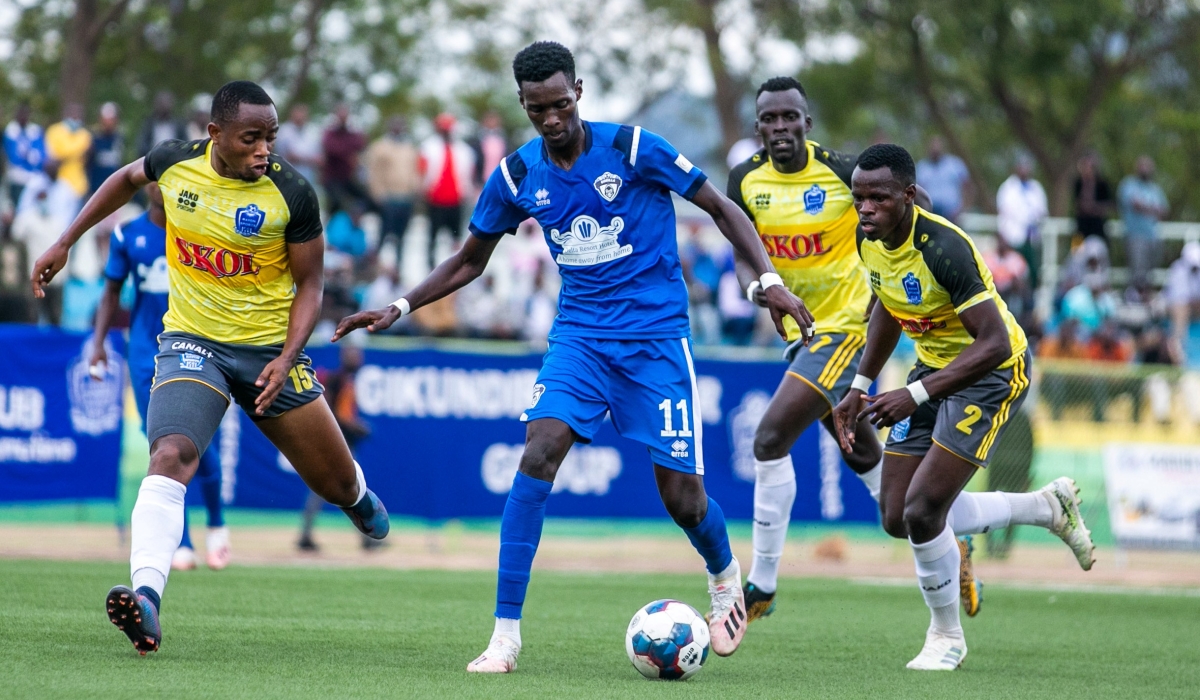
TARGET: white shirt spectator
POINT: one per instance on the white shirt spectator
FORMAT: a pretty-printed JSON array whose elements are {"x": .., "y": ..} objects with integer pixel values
[
  {"x": 300, "y": 146},
  {"x": 742, "y": 149},
  {"x": 1020, "y": 208},
  {"x": 1183, "y": 277}
]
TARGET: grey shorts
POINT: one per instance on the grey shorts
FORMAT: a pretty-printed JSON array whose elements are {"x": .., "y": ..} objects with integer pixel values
[
  {"x": 967, "y": 424},
  {"x": 828, "y": 363},
  {"x": 231, "y": 370}
]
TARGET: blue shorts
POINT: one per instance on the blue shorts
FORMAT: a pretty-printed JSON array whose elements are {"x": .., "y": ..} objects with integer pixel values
[
  {"x": 647, "y": 386},
  {"x": 141, "y": 375}
]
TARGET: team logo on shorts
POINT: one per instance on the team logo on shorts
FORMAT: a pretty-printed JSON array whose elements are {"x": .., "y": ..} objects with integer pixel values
[
  {"x": 248, "y": 220},
  {"x": 912, "y": 288},
  {"x": 900, "y": 430},
  {"x": 608, "y": 185},
  {"x": 191, "y": 361},
  {"x": 538, "y": 390},
  {"x": 814, "y": 200},
  {"x": 679, "y": 448}
]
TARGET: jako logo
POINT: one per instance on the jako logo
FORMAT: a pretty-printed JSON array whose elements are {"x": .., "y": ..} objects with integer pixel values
[
  {"x": 587, "y": 469},
  {"x": 794, "y": 247},
  {"x": 217, "y": 262}
]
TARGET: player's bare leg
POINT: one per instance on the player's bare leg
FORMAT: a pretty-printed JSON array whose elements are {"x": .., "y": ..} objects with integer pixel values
[
  {"x": 547, "y": 441},
  {"x": 794, "y": 407},
  {"x": 310, "y": 439},
  {"x": 702, "y": 519}
]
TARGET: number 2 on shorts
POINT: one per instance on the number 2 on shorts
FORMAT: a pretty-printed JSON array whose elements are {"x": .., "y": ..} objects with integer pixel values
[
  {"x": 300, "y": 379},
  {"x": 974, "y": 413},
  {"x": 667, "y": 430}
]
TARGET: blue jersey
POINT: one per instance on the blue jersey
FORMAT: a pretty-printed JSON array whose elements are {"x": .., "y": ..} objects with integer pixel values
[
  {"x": 610, "y": 223},
  {"x": 138, "y": 249}
]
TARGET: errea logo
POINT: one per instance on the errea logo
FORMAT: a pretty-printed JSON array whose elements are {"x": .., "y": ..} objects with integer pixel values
[
  {"x": 679, "y": 448},
  {"x": 542, "y": 196}
]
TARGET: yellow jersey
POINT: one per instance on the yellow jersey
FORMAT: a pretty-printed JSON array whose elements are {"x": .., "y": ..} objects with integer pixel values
[
  {"x": 227, "y": 257},
  {"x": 936, "y": 274},
  {"x": 807, "y": 222},
  {"x": 69, "y": 146}
]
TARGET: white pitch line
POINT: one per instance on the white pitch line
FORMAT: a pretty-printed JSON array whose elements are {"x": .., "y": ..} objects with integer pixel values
[{"x": 1051, "y": 587}]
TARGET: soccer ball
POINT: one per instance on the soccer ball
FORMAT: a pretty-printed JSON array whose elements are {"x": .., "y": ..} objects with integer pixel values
[{"x": 667, "y": 639}]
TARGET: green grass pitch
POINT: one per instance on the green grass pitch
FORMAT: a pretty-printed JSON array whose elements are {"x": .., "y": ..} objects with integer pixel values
[{"x": 309, "y": 632}]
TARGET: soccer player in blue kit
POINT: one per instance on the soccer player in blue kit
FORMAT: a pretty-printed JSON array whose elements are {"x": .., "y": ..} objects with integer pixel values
[
  {"x": 620, "y": 344},
  {"x": 138, "y": 249}
]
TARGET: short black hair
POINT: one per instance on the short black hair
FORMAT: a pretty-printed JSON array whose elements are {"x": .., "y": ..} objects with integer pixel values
[
  {"x": 893, "y": 157},
  {"x": 231, "y": 96},
  {"x": 542, "y": 59},
  {"x": 781, "y": 83}
]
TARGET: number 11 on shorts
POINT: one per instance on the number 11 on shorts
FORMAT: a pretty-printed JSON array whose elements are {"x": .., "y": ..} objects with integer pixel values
[{"x": 667, "y": 430}]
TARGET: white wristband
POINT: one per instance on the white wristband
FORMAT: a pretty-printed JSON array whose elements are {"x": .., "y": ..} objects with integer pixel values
[
  {"x": 770, "y": 279},
  {"x": 752, "y": 289},
  {"x": 861, "y": 383},
  {"x": 402, "y": 305},
  {"x": 917, "y": 389}
]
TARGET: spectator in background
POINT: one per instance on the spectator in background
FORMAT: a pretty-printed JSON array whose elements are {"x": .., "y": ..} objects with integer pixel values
[
  {"x": 344, "y": 232},
  {"x": 743, "y": 149},
  {"x": 448, "y": 166},
  {"x": 737, "y": 312},
  {"x": 197, "y": 124},
  {"x": 1182, "y": 294},
  {"x": 383, "y": 290},
  {"x": 702, "y": 275},
  {"x": 1010, "y": 273},
  {"x": 299, "y": 143},
  {"x": 161, "y": 125},
  {"x": 68, "y": 143},
  {"x": 1064, "y": 344},
  {"x": 944, "y": 176},
  {"x": 341, "y": 146},
  {"x": 541, "y": 306},
  {"x": 108, "y": 147},
  {"x": 47, "y": 207},
  {"x": 1094, "y": 202},
  {"x": 490, "y": 146},
  {"x": 1020, "y": 209},
  {"x": 479, "y": 311},
  {"x": 25, "y": 151},
  {"x": 1090, "y": 302},
  {"x": 394, "y": 179},
  {"x": 1091, "y": 256},
  {"x": 1143, "y": 204}
]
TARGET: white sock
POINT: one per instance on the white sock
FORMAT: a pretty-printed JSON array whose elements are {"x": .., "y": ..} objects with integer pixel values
[
  {"x": 507, "y": 627},
  {"x": 362, "y": 484},
  {"x": 872, "y": 479},
  {"x": 973, "y": 513},
  {"x": 155, "y": 529},
  {"x": 774, "y": 494},
  {"x": 937, "y": 573},
  {"x": 729, "y": 572},
  {"x": 1030, "y": 509}
]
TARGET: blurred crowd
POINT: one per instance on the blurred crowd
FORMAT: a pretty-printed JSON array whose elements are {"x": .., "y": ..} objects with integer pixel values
[{"x": 396, "y": 202}]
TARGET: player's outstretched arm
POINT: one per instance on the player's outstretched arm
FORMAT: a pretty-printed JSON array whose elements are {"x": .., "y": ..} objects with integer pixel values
[
  {"x": 737, "y": 228},
  {"x": 990, "y": 349},
  {"x": 116, "y": 192},
  {"x": 883, "y": 332},
  {"x": 454, "y": 273},
  {"x": 104, "y": 315}
]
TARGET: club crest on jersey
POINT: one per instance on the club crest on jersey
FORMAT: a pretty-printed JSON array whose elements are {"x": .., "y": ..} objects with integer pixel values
[
  {"x": 248, "y": 220},
  {"x": 912, "y": 288},
  {"x": 814, "y": 200},
  {"x": 608, "y": 185}
]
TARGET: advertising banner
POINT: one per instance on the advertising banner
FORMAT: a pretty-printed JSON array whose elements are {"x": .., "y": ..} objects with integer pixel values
[
  {"x": 1153, "y": 494},
  {"x": 447, "y": 438},
  {"x": 60, "y": 430}
]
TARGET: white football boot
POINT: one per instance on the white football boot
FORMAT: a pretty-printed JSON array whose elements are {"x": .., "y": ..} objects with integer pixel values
[
  {"x": 727, "y": 620},
  {"x": 184, "y": 559},
  {"x": 1068, "y": 523},
  {"x": 499, "y": 657},
  {"x": 941, "y": 653},
  {"x": 216, "y": 546}
]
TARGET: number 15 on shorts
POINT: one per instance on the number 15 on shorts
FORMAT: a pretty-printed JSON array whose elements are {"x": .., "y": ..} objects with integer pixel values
[{"x": 668, "y": 425}]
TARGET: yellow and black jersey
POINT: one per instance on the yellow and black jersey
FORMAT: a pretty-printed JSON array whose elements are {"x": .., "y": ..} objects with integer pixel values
[
  {"x": 806, "y": 221},
  {"x": 227, "y": 257},
  {"x": 935, "y": 275}
]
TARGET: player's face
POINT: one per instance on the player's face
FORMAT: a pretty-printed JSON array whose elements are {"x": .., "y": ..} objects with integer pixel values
[
  {"x": 243, "y": 145},
  {"x": 880, "y": 200},
  {"x": 550, "y": 105},
  {"x": 783, "y": 122}
]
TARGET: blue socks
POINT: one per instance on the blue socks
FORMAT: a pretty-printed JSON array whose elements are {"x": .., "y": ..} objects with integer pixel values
[
  {"x": 209, "y": 476},
  {"x": 711, "y": 539},
  {"x": 520, "y": 532}
]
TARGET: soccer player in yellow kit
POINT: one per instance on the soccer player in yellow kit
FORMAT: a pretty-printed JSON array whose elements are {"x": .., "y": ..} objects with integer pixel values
[
  {"x": 972, "y": 373},
  {"x": 797, "y": 193},
  {"x": 245, "y": 254}
]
